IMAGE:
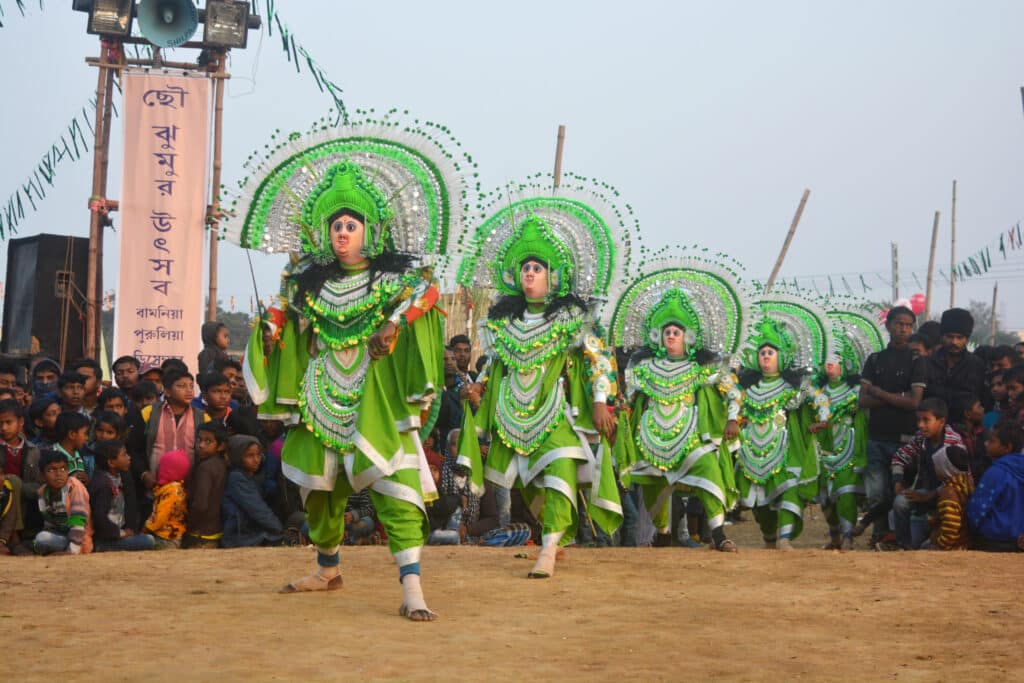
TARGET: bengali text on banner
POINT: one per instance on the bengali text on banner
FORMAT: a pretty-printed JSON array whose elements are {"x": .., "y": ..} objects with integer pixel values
[{"x": 163, "y": 211}]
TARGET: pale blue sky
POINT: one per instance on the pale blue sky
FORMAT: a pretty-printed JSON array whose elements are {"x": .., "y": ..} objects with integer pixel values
[{"x": 710, "y": 118}]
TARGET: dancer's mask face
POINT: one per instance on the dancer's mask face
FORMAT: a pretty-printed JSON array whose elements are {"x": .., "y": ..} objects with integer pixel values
[
  {"x": 672, "y": 338},
  {"x": 768, "y": 360},
  {"x": 533, "y": 277},
  {"x": 347, "y": 238},
  {"x": 833, "y": 371}
]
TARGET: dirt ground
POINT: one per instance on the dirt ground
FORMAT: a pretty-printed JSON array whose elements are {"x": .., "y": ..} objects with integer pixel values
[{"x": 608, "y": 614}]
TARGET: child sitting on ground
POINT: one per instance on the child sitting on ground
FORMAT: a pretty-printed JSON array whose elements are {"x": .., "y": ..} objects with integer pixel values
[
  {"x": 170, "y": 511},
  {"x": 996, "y": 510},
  {"x": 108, "y": 502},
  {"x": 72, "y": 435},
  {"x": 916, "y": 483},
  {"x": 967, "y": 417},
  {"x": 248, "y": 520},
  {"x": 205, "y": 489},
  {"x": 950, "y": 531},
  {"x": 64, "y": 504}
]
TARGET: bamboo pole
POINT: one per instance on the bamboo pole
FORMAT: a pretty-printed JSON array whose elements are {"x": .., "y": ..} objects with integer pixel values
[
  {"x": 895, "y": 272},
  {"x": 213, "y": 211},
  {"x": 931, "y": 269},
  {"x": 995, "y": 294},
  {"x": 952, "y": 251},
  {"x": 92, "y": 301},
  {"x": 789, "y": 239},
  {"x": 558, "y": 157}
]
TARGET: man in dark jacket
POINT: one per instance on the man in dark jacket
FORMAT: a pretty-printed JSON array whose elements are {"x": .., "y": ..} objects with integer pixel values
[{"x": 954, "y": 373}]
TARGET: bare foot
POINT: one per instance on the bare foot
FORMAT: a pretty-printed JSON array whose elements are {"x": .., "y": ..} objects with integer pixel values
[
  {"x": 728, "y": 546},
  {"x": 323, "y": 579},
  {"x": 784, "y": 544},
  {"x": 417, "y": 614}
]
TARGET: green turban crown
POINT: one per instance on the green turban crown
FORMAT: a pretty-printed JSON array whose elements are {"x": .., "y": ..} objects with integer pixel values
[
  {"x": 770, "y": 332},
  {"x": 674, "y": 308},
  {"x": 344, "y": 186},
  {"x": 534, "y": 239}
]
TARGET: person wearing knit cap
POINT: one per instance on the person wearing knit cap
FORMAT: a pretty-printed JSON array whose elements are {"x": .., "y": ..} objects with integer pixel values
[
  {"x": 954, "y": 373},
  {"x": 248, "y": 520},
  {"x": 170, "y": 511}
]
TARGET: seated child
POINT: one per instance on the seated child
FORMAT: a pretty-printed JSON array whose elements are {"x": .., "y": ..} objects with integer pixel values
[
  {"x": 950, "y": 531},
  {"x": 205, "y": 488},
  {"x": 64, "y": 504},
  {"x": 43, "y": 417},
  {"x": 8, "y": 511},
  {"x": 995, "y": 512},
  {"x": 360, "y": 519},
  {"x": 248, "y": 520},
  {"x": 107, "y": 501},
  {"x": 72, "y": 435},
  {"x": 916, "y": 484},
  {"x": 967, "y": 418},
  {"x": 170, "y": 512}
]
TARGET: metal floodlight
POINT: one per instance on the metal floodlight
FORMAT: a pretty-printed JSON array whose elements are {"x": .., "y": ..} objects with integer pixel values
[
  {"x": 109, "y": 17},
  {"x": 227, "y": 23}
]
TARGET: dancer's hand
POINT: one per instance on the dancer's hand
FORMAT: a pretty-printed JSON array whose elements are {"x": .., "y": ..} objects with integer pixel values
[
  {"x": 604, "y": 422},
  {"x": 472, "y": 393},
  {"x": 381, "y": 340},
  {"x": 732, "y": 430},
  {"x": 817, "y": 427}
]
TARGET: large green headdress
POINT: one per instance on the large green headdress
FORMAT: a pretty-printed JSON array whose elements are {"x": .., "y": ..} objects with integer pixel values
[
  {"x": 800, "y": 324},
  {"x": 533, "y": 238},
  {"x": 400, "y": 175},
  {"x": 578, "y": 229},
  {"x": 856, "y": 334},
  {"x": 769, "y": 332},
  {"x": 344, "y": 186},
  {"x": 699, "y": 290}
]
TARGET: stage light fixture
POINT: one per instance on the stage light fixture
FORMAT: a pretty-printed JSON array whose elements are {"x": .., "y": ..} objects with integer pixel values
[
  {"x": 227, "y": 23},
  {"x": 109, "y": 17}
]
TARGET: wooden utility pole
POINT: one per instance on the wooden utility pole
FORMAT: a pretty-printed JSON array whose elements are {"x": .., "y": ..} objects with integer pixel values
[
  {"x": 995, "y": 294},
  {"x": 558, "y": 157},
  {"x": 213, "y": 211},
  {"x": 789, "y": 239},
  {"x": 895, "y": 272},
  {"x": 952, "y": 251},
  {"x": 98, "y": 206},
  {"x": 931, "y": 269}
]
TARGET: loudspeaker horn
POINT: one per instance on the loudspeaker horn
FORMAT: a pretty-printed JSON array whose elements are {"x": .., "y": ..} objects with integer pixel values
[{"x": 168, "y": 23}]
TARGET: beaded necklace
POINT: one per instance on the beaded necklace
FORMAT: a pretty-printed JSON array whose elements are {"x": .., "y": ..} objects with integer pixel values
[
  {"x": 764, "y": 437},
  {"x": 347, "y": 311},
  {"x": 843, "y": 406},
  {"x": 531, "y": 342},
  {"x": 670, "y": 381}
]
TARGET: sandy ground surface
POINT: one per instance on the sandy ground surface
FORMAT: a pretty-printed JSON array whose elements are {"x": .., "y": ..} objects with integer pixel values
[{"x": 608, "y": 614}]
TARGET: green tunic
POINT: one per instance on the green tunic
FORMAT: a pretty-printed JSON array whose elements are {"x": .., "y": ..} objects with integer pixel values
[
  {"x": 673, "y": 436},
  {"x": 843, "y": 454},
  {"x": 777, "y": 467},
  {"x": 542, "y": 382},
  {"x": 360, "y": 414}
]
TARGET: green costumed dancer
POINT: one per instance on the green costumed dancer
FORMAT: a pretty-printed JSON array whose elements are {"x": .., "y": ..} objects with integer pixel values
[
  {"x": 842, "y": 446},
  {"x": 689, "y": 314},
  {"x": 357, "y": 347},
  {"x": 549, "y": 376},
  {"x": 777, "y": 468}
]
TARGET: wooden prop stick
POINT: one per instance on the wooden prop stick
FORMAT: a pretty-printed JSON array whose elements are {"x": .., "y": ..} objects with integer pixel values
[
  {"x": 558, "y": 157},
  {"x": 952, "y": 250},
  {"x": 789, "y": 239},
  {"x": 895, "y": 272},
  {"x": 931, "y": 269}
]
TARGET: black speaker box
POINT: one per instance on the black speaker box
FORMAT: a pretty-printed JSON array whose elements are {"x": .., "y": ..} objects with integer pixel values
[{"x": 44, "y": 300}]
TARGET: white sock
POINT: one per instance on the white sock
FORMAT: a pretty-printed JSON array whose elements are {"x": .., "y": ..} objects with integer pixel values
[
  {"x": 549, "y": 549},
  {"x": 412, "y": 593}
]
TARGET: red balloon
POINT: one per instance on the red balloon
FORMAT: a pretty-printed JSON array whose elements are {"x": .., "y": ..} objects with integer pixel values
[{"x": 917, "y": 303}]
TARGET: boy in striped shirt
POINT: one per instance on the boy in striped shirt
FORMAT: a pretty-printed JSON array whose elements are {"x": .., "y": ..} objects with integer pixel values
[
  {"x": 950, "y": 531},
  {"x": 64, "y": 504}
]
